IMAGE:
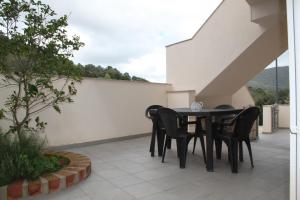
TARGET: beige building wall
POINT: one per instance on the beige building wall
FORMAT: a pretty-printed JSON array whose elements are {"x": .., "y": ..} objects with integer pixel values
[
  {"x": 103, "y": 109},
  {"x": 239, "y": 99},
  {"x": 242, "y": 98},
  {"x": 228, "y": 50},
  {"x": 212, "y": 102},
  {"x": 180, "y": 99}
]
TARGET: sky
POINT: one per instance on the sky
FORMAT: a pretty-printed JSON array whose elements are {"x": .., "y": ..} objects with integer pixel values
[
  {"x": 131, "y": 35},
  {"x": 282, "y": 60}
]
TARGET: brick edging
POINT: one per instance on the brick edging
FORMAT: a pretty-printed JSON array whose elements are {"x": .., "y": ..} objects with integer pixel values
[{"x": 78, "y": 169}]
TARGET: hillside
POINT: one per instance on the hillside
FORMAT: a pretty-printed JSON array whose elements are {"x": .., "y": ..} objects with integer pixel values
[{"x": 266, "y": 79}]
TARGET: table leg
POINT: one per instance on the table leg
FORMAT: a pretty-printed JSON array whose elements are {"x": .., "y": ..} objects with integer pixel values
[{"x": 209, "y": 145}]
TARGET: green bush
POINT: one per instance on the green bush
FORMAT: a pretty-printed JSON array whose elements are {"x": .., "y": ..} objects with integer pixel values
[
  {"x": 23, "y": 159},
  {"x": 266, "y": 97}
]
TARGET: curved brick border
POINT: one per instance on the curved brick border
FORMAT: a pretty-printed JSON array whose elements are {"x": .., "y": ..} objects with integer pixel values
[{"x": 78, "y": 169}]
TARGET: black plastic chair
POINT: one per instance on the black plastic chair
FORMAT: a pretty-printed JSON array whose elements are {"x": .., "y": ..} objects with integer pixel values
[
  {"x": 217, "y": 126},
  {"x": 224, "y": 106},
  {"x": 175, "y": 129},
  {"x": 157, "y": 129},
  {"x": 199, "y": 133},
  {"x": 243, "y": 123}
]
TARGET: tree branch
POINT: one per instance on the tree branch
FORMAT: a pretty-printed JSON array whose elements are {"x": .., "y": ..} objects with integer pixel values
[{"x": 41, "y": 109}]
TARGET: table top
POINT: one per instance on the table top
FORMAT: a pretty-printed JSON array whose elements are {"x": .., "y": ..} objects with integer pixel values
[{"x": 204, "y": 111}]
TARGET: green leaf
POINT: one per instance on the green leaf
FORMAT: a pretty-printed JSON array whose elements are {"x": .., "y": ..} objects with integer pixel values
[
  {"x": 70, "y": 100},
  {"x": 37, "y": 119},
  {"x": 32, "y": 89},
  {"x": 2, "y": 114},
  {"x": 56, "y": 108},
  {"x": 35, "y": 52}
]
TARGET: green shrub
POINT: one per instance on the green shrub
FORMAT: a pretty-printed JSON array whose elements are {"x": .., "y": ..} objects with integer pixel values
[{"x": 23, "y": 159}]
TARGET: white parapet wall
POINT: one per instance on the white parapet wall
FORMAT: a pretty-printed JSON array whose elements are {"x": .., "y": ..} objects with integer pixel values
[
  {"x": 103, "y": 109},
  {"x": 267, "y": 119},
  {"x": 284, "y": 116}
]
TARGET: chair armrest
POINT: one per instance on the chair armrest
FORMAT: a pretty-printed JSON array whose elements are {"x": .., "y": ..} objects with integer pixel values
[
  {"x": 228, "y": 121},
  {"x": 227, "y": 117},
  {"x": 231, "y": 121}
]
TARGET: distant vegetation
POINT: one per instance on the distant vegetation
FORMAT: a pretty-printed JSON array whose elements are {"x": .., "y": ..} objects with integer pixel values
[
  {"x": 267, "y": 97},
  {"x": 109, "y": 72},
  {"x": 266, "y": 79},
  {"x": 263, "y": 87}
]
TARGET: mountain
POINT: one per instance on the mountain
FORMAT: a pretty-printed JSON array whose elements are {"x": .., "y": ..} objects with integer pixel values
[{"x": 266, "y": 79}]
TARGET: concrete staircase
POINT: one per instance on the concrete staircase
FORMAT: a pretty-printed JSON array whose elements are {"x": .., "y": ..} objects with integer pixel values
[{"x": 236, "y": 42}]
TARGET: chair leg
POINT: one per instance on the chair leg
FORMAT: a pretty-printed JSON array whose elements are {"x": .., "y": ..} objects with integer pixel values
[
  {"x": 241, "y": 156},
  {"x": 229, "y": 146},
  {"x": 250, "y": 151},
  {"x": 178, "y": 147},
  {"x": 182, "y": 150},
  {"x": 230, "y": 153},
  {"x": 152, "y": 144},
  {"x": 164, "y": 150},
  {"x": 195, "y": 141},
  {"x": 160, "y": 141},
  {"x": 188, "y": 139},
  {"x": 218, "y": 144},
  {"x": 169, "y": 145},
  {"x": 203, "y": 147},
  {"x": 234, "y": 156}
]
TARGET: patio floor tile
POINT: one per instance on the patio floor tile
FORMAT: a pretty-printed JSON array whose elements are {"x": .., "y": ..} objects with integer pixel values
[{"x": 125, "y": 170}]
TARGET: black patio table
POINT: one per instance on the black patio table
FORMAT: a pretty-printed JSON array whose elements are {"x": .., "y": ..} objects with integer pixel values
[{"x": 208, "y": 114}]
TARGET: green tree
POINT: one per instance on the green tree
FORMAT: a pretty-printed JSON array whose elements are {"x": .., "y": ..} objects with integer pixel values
[
  {"x": 113, "y": 73},
  {"x": 34, "y": 62},
  {"x": 284, "y": 96},
  {"x": 126, "y": 76},
  {"x": 107, "y": 76},
  {"x": 91, "y": 70},
  {"x": 110, "y": 72},
  {"x": 135, "y": 78}
]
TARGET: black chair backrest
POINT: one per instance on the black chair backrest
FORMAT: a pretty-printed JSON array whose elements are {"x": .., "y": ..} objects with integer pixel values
[
  {"x": 170, "y": 119},
  {"x": 218, "y": 119},
  {"x": 148, "y": 114},
  {"x": 224, "y": 106},
  {"x": 244, "y": 122}
]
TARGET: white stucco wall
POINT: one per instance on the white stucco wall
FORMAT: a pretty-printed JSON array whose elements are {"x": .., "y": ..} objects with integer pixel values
[
  {"x": 103, "y": 109},
  {"x": 284, "y": 116},
  {"x": 267, "y": 119}
]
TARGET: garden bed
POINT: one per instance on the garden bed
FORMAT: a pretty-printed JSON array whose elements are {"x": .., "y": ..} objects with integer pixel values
[{"x": 77, "y": 170}]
